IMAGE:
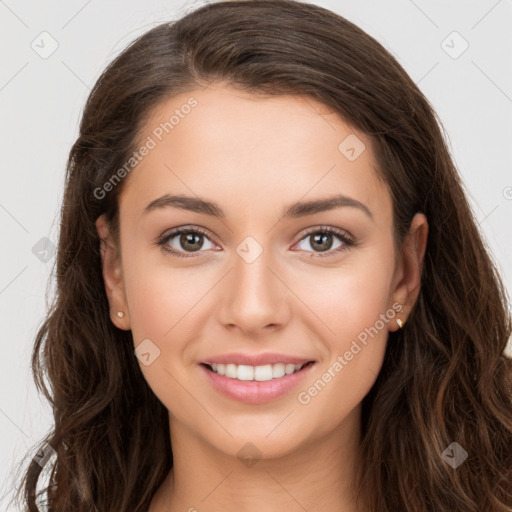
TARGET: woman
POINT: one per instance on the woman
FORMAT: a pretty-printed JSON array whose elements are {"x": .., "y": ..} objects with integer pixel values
[{"x": 272, "y": 292}]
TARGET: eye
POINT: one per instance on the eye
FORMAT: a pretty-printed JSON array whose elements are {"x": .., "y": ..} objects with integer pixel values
[
  {"x": 322, "y": 240},
  {"x": 183, "y": 240}
]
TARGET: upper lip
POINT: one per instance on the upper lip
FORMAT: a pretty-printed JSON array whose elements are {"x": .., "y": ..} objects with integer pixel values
[{"x": 256, "y": 359}]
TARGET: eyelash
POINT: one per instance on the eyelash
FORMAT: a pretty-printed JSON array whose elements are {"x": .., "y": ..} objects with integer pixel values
[{"x": 347, "y": 241}]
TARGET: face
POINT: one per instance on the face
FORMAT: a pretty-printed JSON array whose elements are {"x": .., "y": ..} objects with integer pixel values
[{"x": 259, "y": 275}]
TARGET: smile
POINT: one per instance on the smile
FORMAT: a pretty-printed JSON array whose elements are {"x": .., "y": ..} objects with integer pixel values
[
  {"x": 258, "y": 373},
  {"x": 255, "y": 384}
]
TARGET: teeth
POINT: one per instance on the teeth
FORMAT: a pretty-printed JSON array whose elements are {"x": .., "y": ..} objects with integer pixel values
[
  {"x": 259, "y": 373},
  {"x": 289, "y": 368}
]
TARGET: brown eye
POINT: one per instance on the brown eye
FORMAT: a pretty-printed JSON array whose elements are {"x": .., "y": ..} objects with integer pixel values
[
  {"x": 323, "y": 240},
  {"x": 184, "y": 240},
  {"x": 191, "y": 241}
]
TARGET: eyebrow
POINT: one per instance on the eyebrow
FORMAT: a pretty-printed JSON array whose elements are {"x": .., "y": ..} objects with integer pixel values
[{"x": 297, "y": 210}]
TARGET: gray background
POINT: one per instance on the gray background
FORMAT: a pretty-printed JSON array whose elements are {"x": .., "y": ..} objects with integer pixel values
[{"x": 42, "y": 96}]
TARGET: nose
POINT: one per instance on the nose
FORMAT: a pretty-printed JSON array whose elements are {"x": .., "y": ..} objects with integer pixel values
[{"x": 254, "y": 296}]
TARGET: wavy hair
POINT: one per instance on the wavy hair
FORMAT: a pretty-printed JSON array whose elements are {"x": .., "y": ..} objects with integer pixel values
[{"x": 445, "y": 376}]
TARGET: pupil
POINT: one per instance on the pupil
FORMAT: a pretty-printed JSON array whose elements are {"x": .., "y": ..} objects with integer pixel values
[
  {"x": 188, "y": 238},
  {"x": 320, "y": 238}
]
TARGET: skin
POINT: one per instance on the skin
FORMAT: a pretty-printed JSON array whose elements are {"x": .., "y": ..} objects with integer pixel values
[{"x": 254, "y": 156}]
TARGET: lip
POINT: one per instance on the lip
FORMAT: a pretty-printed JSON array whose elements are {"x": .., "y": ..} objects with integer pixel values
[
  {"x": 256, "y": 392},
  {"x": 256, "y": 359}
]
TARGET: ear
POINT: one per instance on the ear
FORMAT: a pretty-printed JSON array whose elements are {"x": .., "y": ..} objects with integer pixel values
[
  {"x": 407, "y": 280},
  {"x": 112, "y": 276}
]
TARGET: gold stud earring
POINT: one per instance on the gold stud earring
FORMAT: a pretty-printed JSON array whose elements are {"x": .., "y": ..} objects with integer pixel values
[
  {"x": 399, "y": 322},
  {"x": 120, "y": 314}
]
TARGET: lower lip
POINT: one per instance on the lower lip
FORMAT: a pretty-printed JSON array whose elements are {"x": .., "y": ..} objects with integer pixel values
[{"x": 255, "y": 392}]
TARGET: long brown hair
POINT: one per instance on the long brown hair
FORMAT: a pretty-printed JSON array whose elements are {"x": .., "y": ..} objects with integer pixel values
[{"x": 445, "y": 376}]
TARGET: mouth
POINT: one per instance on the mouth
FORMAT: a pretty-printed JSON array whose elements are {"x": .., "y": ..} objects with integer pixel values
[
  {"x": 263, "y": 373},
  {"x": 256, "y": 384},
  {"x": 256, "y": 378}
]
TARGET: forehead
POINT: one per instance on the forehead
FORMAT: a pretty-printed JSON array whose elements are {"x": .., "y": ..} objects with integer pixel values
[{"x": 248, "y": 150}]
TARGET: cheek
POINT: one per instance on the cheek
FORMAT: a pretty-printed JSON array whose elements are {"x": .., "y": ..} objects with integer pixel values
[
  {"x": 353, "y": 301},
  {"x": 348, "y": 299},
  {"x": 162, "y": 297},
  {"x": 364, "y": 298},
  {"x": 354, "y": 356},
  {"x": 163, "y": 303}
]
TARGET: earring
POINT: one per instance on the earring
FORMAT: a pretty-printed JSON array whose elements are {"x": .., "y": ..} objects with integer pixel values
[
  {"x": 120, "y": 314},
  {"x": 399, "y": 322}
]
